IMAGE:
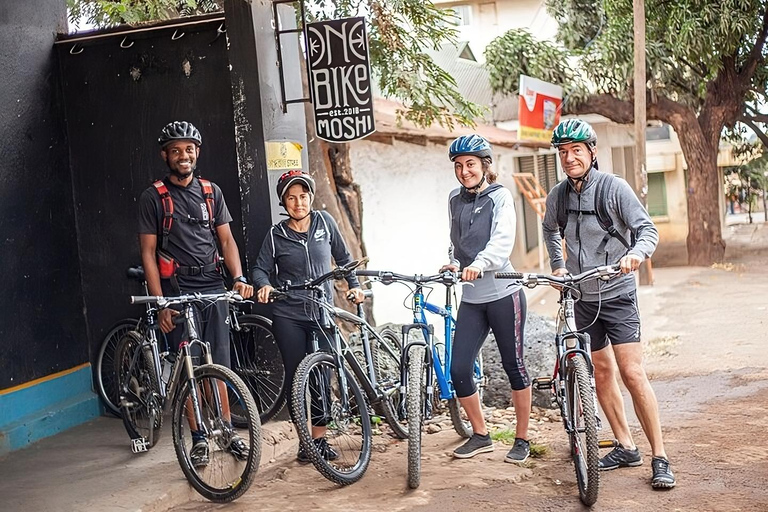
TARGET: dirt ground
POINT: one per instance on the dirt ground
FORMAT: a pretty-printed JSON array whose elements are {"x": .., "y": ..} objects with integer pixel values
[{"x": 705, "y": 334}]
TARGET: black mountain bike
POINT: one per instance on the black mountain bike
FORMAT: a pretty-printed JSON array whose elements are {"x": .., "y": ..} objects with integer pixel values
[
  {"x": 208, "y": 402},
  {"x": 573, "y": 382},
  {"x": 254, "y": 355},
  {"x": 327, "y": 401}
]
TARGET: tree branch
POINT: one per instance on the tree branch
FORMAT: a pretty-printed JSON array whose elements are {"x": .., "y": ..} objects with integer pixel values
[
  {"x": 620, "y": 111},
  {"x": 756, "y": 55},
  {"x": 701, "y": 71},
  {"x": 756, "y": 116},
  {"x": 760, "y": 134}
]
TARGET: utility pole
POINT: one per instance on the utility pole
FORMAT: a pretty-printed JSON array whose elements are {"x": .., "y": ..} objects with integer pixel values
[{"x": 641, "y": 177}]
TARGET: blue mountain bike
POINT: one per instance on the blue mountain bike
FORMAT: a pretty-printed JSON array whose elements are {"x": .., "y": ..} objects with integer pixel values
[{"x": 426, "y": 362}]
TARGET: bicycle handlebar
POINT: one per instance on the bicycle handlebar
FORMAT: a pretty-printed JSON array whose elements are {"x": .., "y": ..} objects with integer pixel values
[
  {"x": 163, "y": 302},
  {"x": 336, "y": 274},
  {"x": 446, "y": 277},
  {"x": 605, "y": 273}
]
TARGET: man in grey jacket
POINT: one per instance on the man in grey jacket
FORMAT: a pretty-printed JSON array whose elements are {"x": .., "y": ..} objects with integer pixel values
[{"x": 607, "y": 312}]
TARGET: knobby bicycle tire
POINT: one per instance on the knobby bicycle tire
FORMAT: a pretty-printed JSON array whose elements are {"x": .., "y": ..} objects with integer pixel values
[
  {"x": 256, "y": 359},
  {"x": 415, "y": 404},
  {"x": 387, "y": 370},
  {"x": 227, "y": 475},
  {"x": 581, "y": 408},
  {"x": 316, "y": 400},
  {"x": 106, "y": 384},
  {"x": 140, "y": 404}
]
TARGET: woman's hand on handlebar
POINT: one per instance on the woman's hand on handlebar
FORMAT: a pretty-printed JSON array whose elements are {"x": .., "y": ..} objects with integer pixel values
[
  {"x": 449, "y": 268},
  {"x": 470, "y": 273},
  {"x": 165, "y": 319},
  {"x": 263, "y": 294},
  {"x": 355, "y": 295},
  {"x": 630, "y": 263}
]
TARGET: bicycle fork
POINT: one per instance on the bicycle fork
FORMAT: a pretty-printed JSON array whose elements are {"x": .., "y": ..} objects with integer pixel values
[{"x": 429, "y": 389}]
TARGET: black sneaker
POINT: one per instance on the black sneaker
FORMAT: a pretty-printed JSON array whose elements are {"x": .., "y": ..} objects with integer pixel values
[
  {"x": 238, "y": 447},
  {"x": 198, "y": 455},
  {"x": 323, "y": 447},
  {"x": 519, "y": 452},
  {"x": 620, "y": 457},
  {"x": 663, "y": 477},
  {"x": 475, "y": 445}
]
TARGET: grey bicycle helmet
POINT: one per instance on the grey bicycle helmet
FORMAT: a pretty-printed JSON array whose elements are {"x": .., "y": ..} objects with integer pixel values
[{"x": 179, "y": 130}]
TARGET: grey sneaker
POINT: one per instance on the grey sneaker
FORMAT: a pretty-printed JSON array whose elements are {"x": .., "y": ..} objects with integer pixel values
[
  {"x": 198, "y": 455},
  {"x": 620, "y": 457},
  {"x": 475, "y": 445},
  {"x": 663, "y": 477},
  {"x": 519, "y": 452}
]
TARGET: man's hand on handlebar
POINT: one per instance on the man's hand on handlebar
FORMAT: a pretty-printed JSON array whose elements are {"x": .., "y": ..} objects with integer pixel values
[
  {"x": 263, "y": 294},
  {"x": 355, "y": 295},
  {"x": 630, "y": 263},
  {"x": 245, "y": 290},
  {"x": 165, "y": 319}
]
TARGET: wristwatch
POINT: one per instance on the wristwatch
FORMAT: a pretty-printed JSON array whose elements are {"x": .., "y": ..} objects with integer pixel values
[{"x": 241, "y": 279}]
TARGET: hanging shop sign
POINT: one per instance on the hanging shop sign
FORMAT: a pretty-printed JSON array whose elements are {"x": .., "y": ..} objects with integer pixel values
[{"x": 340, "y": 77}]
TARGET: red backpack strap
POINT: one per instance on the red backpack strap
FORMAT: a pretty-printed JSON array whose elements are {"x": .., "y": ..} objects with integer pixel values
[
  {"x": 208, "y": 194},
  {"x": 167, "y": 202}
]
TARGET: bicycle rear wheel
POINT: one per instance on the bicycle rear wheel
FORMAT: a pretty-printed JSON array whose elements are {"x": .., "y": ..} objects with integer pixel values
[
  {"x": 386, "y": 364},
  {"x": 256, "y": 359},
  {"x": 139, "y": 399},
  {"x": 583, "y": 434},
  {"x": 106, "y": 383},
  {"x": 415, "y": 395},
  {"x": 231, "y": 467},
  {"x": 317, "y": 402}
]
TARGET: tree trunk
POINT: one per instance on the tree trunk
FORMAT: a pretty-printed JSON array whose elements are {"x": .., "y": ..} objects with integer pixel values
[
  {"x": 339, "y": 195},
  {"x": 705, "y": 241}
]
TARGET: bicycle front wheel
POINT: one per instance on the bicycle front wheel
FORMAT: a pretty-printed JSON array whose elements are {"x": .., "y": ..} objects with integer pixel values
[
  {"x": 331, "y": 418},
  {"x": 386, "y": 363},
  {"x": 256, "y": 359},
  {"x": 231, "y": 457},
  {"x": 415, "y": 396},
  {"x": 106, "y": 383},
  {"x": 583, "y": 422}
]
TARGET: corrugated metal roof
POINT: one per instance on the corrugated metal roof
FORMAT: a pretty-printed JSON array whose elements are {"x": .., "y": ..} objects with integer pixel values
[{"x": 473, "y": 82}]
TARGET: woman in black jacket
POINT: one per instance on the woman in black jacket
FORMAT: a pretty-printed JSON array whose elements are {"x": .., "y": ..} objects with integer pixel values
[{"x": 298, "y": 249}]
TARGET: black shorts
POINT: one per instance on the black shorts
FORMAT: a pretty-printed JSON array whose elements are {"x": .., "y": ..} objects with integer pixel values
[{"x": 616, "y": 322}]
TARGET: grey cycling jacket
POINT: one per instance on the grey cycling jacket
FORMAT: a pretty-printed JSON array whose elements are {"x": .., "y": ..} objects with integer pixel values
[
  {"x": 584, "y": 235},
  {"x": 483, "y": 236}
]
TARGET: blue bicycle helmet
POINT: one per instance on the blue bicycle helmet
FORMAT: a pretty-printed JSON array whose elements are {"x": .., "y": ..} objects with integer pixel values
[{"x": 470, "y": 145}]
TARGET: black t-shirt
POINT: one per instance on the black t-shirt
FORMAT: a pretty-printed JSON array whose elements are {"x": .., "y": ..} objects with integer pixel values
[{"x": 190, "y": 241}]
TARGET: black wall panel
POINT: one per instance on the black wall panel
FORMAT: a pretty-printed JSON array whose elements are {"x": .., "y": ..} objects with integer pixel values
[
  {"x": 119, "y": 92},
  {"x": 42, "y": 330}
]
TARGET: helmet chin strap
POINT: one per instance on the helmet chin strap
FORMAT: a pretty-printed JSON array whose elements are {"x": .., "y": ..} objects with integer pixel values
[{"x": 476, "y": 188}]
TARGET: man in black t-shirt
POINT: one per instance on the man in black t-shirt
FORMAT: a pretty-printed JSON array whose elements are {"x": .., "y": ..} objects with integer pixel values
[{"x": 180, "y": 254}]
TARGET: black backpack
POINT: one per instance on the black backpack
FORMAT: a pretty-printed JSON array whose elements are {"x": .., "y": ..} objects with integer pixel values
[{"x": 602, "y": 193}]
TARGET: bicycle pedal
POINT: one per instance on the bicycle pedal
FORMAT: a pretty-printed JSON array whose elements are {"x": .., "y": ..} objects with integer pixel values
[
  {"x": 542, "y": 383},
  {"x": 139, "y": 445},
  {"x": 607, "y": 443}
]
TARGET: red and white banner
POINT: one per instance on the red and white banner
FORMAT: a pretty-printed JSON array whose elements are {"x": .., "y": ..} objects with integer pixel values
[{"x": 539, "y": 112}]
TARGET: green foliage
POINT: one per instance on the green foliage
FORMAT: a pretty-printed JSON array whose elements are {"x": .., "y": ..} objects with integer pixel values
[
  {"x": 107, "y": 13},
  {"x": 688, "y": 42},
  {"x": 400, "y": 32}
]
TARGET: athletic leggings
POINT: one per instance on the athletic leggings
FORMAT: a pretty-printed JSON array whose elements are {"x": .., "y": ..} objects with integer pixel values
[
  {"x": 506, "y": 317},
  {"x": 294, "y": 339}
]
